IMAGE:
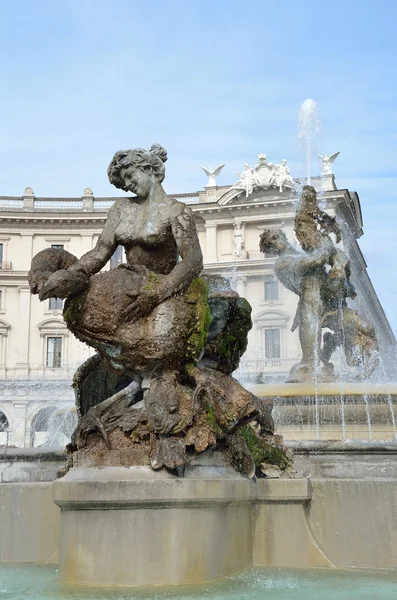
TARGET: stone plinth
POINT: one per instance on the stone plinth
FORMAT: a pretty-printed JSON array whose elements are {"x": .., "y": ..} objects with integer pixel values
[{"x": 132, "y": 526}]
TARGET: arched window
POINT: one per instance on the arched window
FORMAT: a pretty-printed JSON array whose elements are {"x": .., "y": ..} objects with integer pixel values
[
  {"x": 4, "y": 425},
  {"x": 40, "y": 425}
]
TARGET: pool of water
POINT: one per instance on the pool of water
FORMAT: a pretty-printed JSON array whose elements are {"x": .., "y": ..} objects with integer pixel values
[{"x": 40, "y": 583}]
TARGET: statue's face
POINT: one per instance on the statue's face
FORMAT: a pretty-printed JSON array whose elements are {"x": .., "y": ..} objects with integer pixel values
[{"x": 138, "y": 181}]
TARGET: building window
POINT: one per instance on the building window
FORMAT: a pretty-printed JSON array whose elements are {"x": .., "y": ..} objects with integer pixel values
[
  {"x": 4, "y": 425},
  {"x": 117, "y": 258},
  {"x": 59, "y": 246},
  {"x": 1, "y": 256},
  {"x": 40, "y": 426},
  {"x": 54, "y": 304},
  {"x": 271, "y": 289},
  {"x": 54, "y": 352},
  {"x": 272, "y": 343}
]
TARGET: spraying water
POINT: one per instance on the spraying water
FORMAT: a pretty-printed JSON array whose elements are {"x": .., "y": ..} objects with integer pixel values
[{"x": 309, "y": 132}]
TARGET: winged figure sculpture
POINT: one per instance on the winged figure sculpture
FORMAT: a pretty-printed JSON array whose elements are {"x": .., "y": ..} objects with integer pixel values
[
  {"x": 327, "y": 162},
  {"x": 212, "y": 174}
]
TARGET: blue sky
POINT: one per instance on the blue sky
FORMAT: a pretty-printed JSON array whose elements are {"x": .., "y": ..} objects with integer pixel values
[{"x": 213, "y": 82}]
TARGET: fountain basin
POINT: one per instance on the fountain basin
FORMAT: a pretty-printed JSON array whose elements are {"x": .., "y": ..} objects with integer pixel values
[
  {"x": 343, "y": 512},
  {"x": 333, "y": 411}
]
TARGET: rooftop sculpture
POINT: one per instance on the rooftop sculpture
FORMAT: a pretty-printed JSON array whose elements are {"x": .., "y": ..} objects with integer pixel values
[
  {"x": 212, "y": 175},
  {"x": 320, "y": 276},
  {"x": 264, "y": 176},
  {"x": 159, "y": 389},
  {"x": 328, "y": 161}
]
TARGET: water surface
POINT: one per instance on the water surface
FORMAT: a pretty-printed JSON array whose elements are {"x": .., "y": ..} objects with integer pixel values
[{"x": 39, "y": 582}]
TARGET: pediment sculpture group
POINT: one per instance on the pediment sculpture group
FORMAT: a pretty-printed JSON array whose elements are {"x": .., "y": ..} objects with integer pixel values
[{"x": 264, "y": 176}]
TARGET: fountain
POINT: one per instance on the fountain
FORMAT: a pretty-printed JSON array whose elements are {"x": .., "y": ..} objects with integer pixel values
[
  {"x": 309, "y": 132},
  {"x": 320, "y": 276},
  {"x": 174, "y": 474},
  {"x": 319, "y": 273},
  {"x": 157, "y": 401}
]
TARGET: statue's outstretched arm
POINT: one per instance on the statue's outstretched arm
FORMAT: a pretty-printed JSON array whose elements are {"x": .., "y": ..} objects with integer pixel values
[
  {"x": 75, "y": 279},
  {"x": 318, "y": 258},
  {"x": 94, "y": 260}
]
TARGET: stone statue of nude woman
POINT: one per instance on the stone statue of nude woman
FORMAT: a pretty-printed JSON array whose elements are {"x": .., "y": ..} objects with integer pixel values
[{"x": 148, "y": 396}]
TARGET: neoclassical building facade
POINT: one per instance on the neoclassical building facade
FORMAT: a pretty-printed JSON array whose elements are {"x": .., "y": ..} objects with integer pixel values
[{"x": 38, "y": 355}]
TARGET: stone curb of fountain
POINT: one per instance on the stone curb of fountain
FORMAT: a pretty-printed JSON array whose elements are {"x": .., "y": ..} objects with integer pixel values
[
  {"x": 32, "y": 454},
  {"x": 337, "y": 446}
]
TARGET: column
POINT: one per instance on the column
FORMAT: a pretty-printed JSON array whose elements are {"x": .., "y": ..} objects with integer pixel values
[
  {"x": 3, "y": 351},
  {"x": 22, "y": 364},
  {"x": 240, "y": 286},
  {"x": 86, "y": 243},
  {"x": 17, "y": 438}
]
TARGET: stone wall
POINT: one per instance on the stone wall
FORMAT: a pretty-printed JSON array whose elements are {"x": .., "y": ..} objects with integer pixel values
[{"x": 292, "y": 523}]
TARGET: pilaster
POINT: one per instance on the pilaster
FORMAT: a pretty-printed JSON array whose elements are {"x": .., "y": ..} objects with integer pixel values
[
  {"x": 22, "y": 364},
  {"x": 211, "y": 243}
]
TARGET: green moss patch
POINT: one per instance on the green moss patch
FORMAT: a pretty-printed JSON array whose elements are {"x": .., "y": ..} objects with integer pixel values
[
  {"x": 197, "y": 294},
  {"x": 262, "y": 451}
]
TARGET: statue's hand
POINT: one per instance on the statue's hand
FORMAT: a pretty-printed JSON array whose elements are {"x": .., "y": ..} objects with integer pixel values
[
  {"x": 62, "y": 283},
  {"x": 141, "y": 306}
]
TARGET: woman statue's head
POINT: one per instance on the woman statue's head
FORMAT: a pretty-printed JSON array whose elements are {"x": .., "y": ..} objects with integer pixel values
[{"x": 137, "y": 170}]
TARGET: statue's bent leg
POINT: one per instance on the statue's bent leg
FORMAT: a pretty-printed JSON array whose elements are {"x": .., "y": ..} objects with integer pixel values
[{"x": 310, "y": 311}]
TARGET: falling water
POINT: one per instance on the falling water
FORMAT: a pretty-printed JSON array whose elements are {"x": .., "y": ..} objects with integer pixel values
[
  {"x": 342, "y": 408},
  {"x": 389, "y": 398},
  {"x": 393, "y": 418},
  {"x": 309, "y": 131},
  {"x": 316, "y": 377},
  {"x": 365, "y": 398}
]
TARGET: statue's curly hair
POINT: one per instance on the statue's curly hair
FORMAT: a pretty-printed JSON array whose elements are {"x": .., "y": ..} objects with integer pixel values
[
  {"x": 269, "y": 238},
  {"x": 139, "y": 158}
]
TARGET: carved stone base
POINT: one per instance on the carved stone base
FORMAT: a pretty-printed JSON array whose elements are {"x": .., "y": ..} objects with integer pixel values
[
  {"x": 303, "y": 373},
  {"x": 163, "y": 530}
]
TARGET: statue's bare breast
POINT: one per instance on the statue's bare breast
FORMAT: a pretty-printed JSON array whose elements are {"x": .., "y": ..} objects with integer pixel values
[
  {"x": 147, "y": 238},
  {"x": 137, "y": 225}
]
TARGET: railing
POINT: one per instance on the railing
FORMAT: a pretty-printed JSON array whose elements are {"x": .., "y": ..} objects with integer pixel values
[
  {"x": 103, "y": 204},
  {"x": 6, "y": 265},
  {"x": 64, "y": 203},
  {"x": 11, "y": 203},
  {"x": 186, "y": 198},
  {"x": 85, "y": 203},
  {"x": 265, "y": 365}
]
